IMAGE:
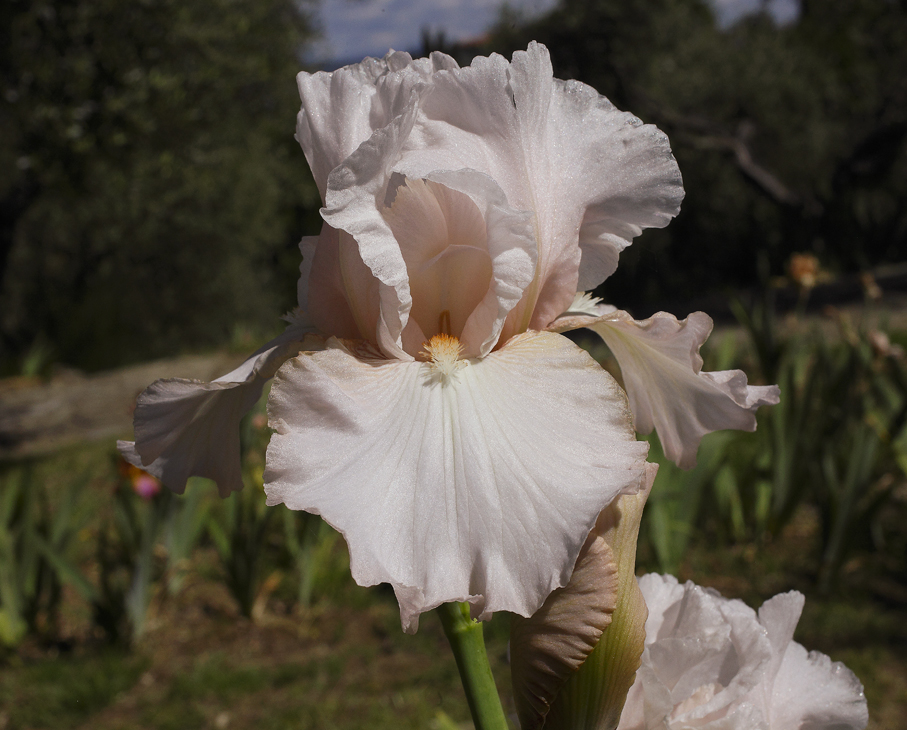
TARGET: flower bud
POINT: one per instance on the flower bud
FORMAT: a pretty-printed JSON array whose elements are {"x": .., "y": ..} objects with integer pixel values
[{"x": 574, "y": 661}]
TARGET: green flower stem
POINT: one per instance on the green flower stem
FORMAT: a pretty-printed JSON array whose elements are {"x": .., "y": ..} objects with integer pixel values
[{"x": 468, "y": 644}]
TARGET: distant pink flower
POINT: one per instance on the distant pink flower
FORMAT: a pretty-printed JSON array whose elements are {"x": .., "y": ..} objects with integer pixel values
[
  {"x": 146, "y": 486},
  {"x": 142, "y": 483}
]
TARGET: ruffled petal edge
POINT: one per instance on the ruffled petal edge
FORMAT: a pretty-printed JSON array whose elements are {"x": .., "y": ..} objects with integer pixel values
[
  {"x": 662, "y": 372},
  {"x": 186, "y": 428}
]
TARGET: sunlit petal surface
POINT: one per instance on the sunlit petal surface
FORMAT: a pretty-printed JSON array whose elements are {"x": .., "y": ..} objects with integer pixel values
[
  {"x": 340, "y": 110},
  {"x": 593, "y": 176},
  {"x": 712, "y": 663},
  {"x": 806, "y": 689},
  {"x": 453, "y": 488}
]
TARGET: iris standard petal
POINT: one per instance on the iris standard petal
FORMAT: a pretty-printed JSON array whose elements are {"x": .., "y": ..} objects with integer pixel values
[
  {"x": 335, "y": 115},
  {"x": 187, "y": 428},
  {"x": 441, "y": 234},
  {"x": 341, "y": 109},
  {"x": 452, "y": 488},
  {"x": 661, "y": 367},
  {"x": 351, "y": 205},
  {"x": 336, "y": 289},
  {"x": 593, "y": 176},
  {"x": 511, "y": 244},
  {"x": 468, "y": 254}
]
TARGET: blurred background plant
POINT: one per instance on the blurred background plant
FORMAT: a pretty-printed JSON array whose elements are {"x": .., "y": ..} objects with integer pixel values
[
  {"x": 834, "y": 446},
  {"x": 32, "y": 535},
  {"x": 238, "y": 527}
]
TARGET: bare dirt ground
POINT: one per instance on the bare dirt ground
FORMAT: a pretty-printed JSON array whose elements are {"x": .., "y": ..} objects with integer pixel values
[
  {"x": 342, "y": 664},
  {"x": 38, "y": 416}
]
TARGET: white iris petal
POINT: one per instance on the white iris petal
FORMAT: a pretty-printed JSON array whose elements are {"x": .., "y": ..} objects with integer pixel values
[
  {"x": 713, "y": 663},
  {"x": 463, "y": 455},
  {"x": 481, "y": 487}
]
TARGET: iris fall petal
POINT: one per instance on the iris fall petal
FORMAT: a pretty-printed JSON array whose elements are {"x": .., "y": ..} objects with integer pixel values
[{"x": 452, "y": 489}]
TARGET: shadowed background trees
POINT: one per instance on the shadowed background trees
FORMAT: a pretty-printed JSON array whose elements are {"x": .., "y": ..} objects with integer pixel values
[
  {"x": 789, "y": 138},
  {"x": 152, "y": 195},
  {"x": 150, "y": 187}
]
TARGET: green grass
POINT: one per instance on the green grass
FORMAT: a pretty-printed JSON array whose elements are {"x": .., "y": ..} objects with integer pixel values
[{"x": 64, "y": 691}]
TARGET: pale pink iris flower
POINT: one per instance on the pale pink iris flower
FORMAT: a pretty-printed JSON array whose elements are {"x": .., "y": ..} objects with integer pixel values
[
  {"x": 714, "y": 663},
  {"x": 425, "y": 404}
]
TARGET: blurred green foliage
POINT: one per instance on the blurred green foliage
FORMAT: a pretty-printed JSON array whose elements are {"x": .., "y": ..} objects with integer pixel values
[
  {"x": 32, "y": 535},
  {"x": 150, "y": 188},
  {"x": 835, "y": 447},
  {"x": 789, "y": 138}
]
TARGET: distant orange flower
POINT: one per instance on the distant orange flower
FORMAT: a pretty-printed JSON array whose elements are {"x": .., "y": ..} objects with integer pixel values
[{"x": 803, "y": 268}]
